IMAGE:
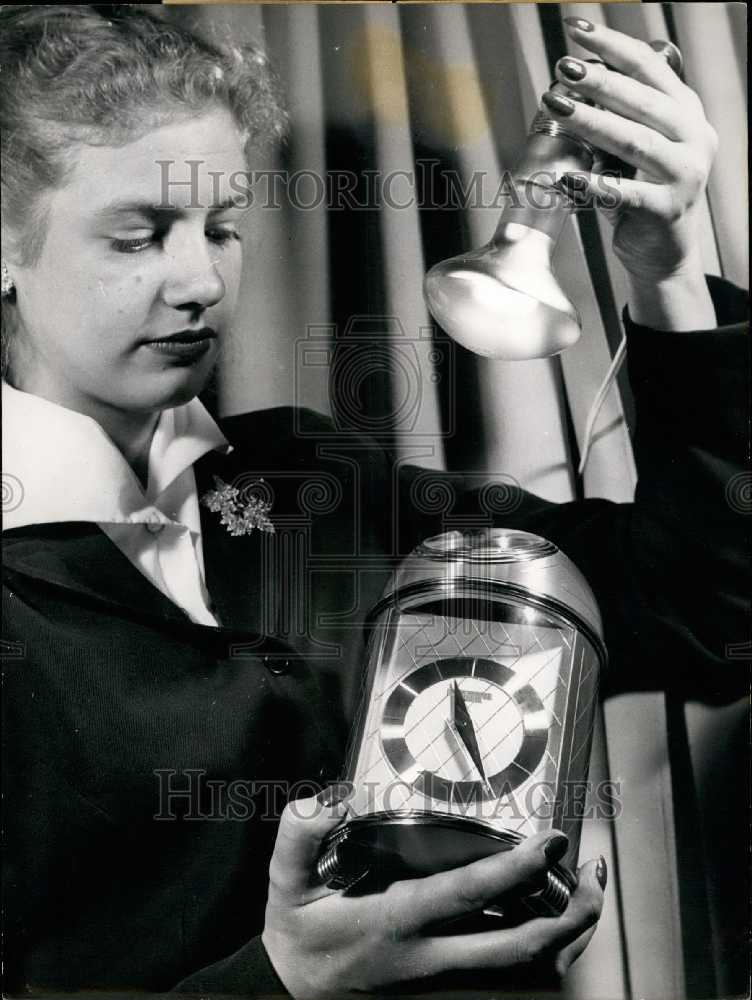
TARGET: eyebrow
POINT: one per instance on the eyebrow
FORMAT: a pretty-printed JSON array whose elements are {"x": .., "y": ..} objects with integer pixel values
[{"x": 151, "y": 210}]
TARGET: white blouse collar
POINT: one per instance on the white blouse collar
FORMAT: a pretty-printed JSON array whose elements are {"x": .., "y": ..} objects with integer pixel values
[{"x": 60, "y": 465}]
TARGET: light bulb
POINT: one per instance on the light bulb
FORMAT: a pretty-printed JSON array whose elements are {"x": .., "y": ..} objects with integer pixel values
[{"x": 503, "y": 300}]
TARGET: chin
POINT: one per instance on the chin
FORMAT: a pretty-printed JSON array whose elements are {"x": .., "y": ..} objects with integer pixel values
[
  {"x": 180, "y": 386},
  {"x": 183, "y": 395}
]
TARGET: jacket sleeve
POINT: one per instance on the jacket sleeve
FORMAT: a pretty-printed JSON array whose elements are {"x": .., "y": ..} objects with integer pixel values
[
  {"x": 670, "y": 570},
  {"x": 682, "y": 546},
  {"x": 247, "y": 972}
]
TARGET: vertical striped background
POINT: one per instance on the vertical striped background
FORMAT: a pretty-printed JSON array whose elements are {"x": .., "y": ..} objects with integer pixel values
[{"x": 380, "y": 87}]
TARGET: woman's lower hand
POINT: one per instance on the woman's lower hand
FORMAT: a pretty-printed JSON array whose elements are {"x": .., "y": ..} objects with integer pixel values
[
  {"x": 647, "y": 117},
  {"x": 323, "y": 942}
]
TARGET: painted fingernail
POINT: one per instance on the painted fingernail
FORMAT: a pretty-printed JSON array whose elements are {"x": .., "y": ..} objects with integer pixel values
[
  {"x": 601, "y": 872},
  {"x": 332, "y": 795},
  {"x": 575, "y": 189},
  {"x": 579, "y": 23},
  {"x": 572, "y": 69},
  {"x": 572, "y": 183},
  {"x": 556, "y": 847},
  {"x": 670, "y": 53},
  {"x": 558, "y": 104}
]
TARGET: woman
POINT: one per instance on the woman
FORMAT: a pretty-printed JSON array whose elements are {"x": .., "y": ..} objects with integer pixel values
[{"x": 159, "y": 712}]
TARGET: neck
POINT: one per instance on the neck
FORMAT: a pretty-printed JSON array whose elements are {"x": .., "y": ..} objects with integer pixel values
[{"x": 132, "y": 433}]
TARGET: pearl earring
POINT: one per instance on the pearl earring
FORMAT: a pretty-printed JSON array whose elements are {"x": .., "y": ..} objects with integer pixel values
[{"x": 6, "y": 282}]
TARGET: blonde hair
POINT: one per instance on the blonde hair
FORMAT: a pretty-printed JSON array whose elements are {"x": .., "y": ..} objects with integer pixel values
[{"x": 103, "y": 74}]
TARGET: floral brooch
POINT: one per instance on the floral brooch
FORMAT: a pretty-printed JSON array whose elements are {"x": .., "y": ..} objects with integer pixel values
[{"x": 240, "y": 510}]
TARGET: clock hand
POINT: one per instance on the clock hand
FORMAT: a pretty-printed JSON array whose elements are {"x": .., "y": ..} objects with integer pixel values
[
  {"x": 458, "y": 742},
  {"x": 463, "y": 724}
]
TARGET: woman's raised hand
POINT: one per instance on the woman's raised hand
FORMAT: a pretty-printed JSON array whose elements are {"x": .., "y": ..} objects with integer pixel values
[
  {"x": 650, "y": 119},
  {"x": 323, "y": 942}
]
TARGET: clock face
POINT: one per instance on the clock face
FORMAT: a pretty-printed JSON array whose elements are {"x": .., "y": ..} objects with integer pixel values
[{"x": 464, "y": 729}]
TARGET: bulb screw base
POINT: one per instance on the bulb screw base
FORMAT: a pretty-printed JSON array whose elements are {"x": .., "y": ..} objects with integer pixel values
[{"x": 543, "y": 124}]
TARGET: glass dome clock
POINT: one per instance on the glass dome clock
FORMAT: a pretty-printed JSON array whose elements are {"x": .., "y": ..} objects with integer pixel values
[{"x": 476, "y": 715}]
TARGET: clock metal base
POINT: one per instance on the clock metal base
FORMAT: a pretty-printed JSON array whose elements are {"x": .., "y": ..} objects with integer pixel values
[{"x": 370, "y": 852}]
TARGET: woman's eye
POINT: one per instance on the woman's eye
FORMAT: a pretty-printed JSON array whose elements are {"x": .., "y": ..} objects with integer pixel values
[
  {"x": 219, "y": 235},
  {"x": 222, "y": 234},
  {"x": 133, "y": 245}
]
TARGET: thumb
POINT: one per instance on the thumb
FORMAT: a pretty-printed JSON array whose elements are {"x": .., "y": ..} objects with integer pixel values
[
  {"x": 303, "y": 827},
  {"x": 615, "y": 194},
  {"x": 593, "y": 877}
]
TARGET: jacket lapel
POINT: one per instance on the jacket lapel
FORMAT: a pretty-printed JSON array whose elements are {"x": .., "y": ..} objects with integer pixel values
[
  {"x": 239, "y": 568},
  {"x": 80, "y": 557}
]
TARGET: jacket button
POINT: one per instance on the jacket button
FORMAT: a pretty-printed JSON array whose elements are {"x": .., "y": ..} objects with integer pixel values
[
  {"x": 154, "y": 527},
  {"x": 277, "y": 665}
]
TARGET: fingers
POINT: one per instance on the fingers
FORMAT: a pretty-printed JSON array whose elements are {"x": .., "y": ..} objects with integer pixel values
[
  {"x": 641, "y": 112},
  {"x": 643, "y": 147},
  {"x": 630, "y": 56},
  {"x": 627, "y": 97},
  {"x": 572, "y": 952},
  {"x": 304, "y": 825},
  {"x": 535, "y": 941},
  {"x": 614, "y": 194},
  {"x": 567, "y": 956},
  {"x": 415, "y": 905}
]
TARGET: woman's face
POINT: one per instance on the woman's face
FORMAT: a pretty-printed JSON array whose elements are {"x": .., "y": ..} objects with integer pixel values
[{"x": 140, "y": 244}]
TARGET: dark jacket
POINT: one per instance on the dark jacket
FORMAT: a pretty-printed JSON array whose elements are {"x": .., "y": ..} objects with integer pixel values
[{"x": 147, "y": 758}]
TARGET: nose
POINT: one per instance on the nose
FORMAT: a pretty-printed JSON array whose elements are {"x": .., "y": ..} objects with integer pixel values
[{"x": 194, "y": 281}]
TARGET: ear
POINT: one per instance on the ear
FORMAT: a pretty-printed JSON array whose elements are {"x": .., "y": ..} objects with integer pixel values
[
  {"x": 7, "y": 284},
  {"x": 7, "y": 269}
]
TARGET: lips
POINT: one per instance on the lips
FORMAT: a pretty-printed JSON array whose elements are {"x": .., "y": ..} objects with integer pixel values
[
  {"x": 184, "y": 347},
  {"x": 186, "y": 336}
]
